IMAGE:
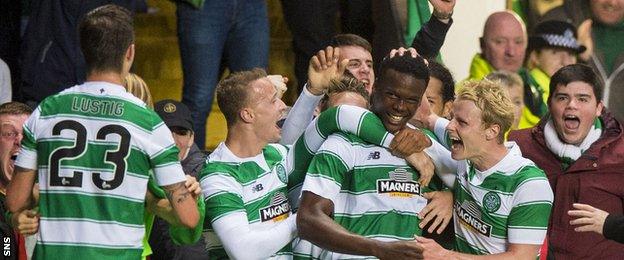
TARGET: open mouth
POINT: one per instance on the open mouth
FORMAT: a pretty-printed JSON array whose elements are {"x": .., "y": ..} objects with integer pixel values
[
  {"x": 456, "y": 143},
  {"x": 571, "y": 121}
]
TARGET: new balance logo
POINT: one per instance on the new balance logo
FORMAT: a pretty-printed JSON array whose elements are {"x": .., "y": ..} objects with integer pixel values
[
  {"x": 257, "y": 188},
  {"x": 373, "y": 156}
]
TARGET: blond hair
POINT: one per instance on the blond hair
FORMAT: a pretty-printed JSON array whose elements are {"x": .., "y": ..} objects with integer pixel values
[
  {"x": 493, "y": 100},
  {"x": 136, "y": 86}
]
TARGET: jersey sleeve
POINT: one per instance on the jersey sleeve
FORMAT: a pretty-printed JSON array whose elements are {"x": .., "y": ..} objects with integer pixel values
[
  {"x": 163, "y": 156},
  {"x": 532, "y": 203},
  {"x": 222, "y": 194},
  {"x": 328, "y": 168},
  {"x": 27, "y": 157}
]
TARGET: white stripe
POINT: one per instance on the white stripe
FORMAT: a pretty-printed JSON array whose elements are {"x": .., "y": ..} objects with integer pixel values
[
  {"x": 217, "y": 183},
  {"x": 360, "y": 204},
  {"x": 349, "y": 118},
  {"x": 533, "y": 190},
  {"x": 132, "y": 188},
  {"x": 99, "y": 234},
  {"x": 321, "y": 186},
  {"x": 169, "y": 174},
  {"x": 526, "y": 236},
  {"x": 26, "y": 159}
]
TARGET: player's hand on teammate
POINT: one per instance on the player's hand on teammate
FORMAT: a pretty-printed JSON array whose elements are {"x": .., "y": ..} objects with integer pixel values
[
  {"x": 439, "y": 209},
  {"x": 408, "y": 141},
  {"x": 399, "y": 250},
  {"x": 26, "y": 222},
  {"x": 324, "y": 67},
  {"x": 432, "y": 250},
  {"x": 193, "y": 186},
  {"x": 587, "y": 218},
  {"x": 423, "y": 163}
]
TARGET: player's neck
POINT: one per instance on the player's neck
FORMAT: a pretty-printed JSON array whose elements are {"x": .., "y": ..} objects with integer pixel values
[
  {"x": 243, "y": 143},
  {"x": 106, "y": 76},
  {"x": 490, "y": 157}
]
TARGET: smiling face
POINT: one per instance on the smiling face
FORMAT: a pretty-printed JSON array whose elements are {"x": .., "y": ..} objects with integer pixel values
[
  {"x": 267, "y": 110},
  {"x": 574, "y": 108},
  {"x": 360, "y": 64},
  {"x": 396, "y": 98},
  {"x": 504, "y": 42},
  {"x": 10, "y": 139}
]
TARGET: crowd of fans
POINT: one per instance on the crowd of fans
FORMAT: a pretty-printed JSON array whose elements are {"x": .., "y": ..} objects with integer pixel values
[{"x": 383, "y": 154}]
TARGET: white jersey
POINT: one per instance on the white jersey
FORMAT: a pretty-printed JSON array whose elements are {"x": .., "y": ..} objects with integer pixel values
[{"x": 93, "y": 146}]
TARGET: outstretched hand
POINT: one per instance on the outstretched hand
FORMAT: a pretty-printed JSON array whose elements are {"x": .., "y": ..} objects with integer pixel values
[{"x": 324, "y": 67}]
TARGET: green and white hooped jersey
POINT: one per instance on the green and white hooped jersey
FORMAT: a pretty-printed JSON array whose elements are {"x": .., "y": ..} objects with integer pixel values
[
  {"x": 254, "y": 185},
  {"x": 375, "y": 194},
  {"x": 93, "y": 146},
  {"x": 508, "y": 204}
]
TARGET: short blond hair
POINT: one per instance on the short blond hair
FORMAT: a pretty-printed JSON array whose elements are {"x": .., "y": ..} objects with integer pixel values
[
  {"x": 493, "y": 100},
  {"x": 234, "y": 92},
  {"x": 136, "y": 86}
]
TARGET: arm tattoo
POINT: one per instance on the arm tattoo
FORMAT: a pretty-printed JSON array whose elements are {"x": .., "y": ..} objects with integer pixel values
[{"x": 176, "y": 193}]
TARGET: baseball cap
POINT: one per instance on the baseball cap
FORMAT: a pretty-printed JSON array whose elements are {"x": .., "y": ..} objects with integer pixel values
[
  {"x": 555, "y": 34},
  {"x": 174, "y": 113}
]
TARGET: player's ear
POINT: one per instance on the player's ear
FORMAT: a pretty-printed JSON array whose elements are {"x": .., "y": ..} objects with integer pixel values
[{"x": 246, "y": 115}]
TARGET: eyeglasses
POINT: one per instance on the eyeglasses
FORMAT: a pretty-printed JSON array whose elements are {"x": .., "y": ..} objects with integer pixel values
[{"x": 10, "y": 134}]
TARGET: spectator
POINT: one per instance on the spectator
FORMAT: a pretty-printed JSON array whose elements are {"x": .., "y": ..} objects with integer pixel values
[
  {"x": 513, "y": 84},
  {"x": 51, "y": 59},
  {"x": 311, "y": 23},
  {"x": 553, "y": 45},
  {"x": 592, "y": 219},
  {"x": 115, "y": 142},
  {"x": 5, "y": 83},
  {"x": 600, "y": 29},
  {"x": 137, "y": 87},
  {"x": 12, "y": 117},
  {"x": 580, "y": 147},
  {"x": 232, "y": 33},
  {"x": 503, "y": 45},
  {"x": 178, "y": 119}
]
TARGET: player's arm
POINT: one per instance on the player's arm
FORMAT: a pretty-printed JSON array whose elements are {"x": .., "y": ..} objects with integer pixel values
[
  {"x": 183, "y": 204},
  {"x": 316, "y": 225},
  {"x": 161, "y": 206},
  {"x": 433, "y": 250},
  {"x": 20, "y": 190}
]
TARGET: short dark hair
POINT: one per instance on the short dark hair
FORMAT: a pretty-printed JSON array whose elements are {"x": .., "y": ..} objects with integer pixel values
[
  {"x": 233, "y": 92},
  {"x": 443, "y": 74},
  {"x": 349, "y": 39},
  {"x": 416, "y": 67},
  {"x": 105, "y": 35},
  {"x": 15, "y": 108},
  {"x": 576, "y": 72}
]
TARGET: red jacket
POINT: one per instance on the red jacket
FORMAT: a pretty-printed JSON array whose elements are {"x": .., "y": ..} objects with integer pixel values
[{"x": 596, "y": 178}]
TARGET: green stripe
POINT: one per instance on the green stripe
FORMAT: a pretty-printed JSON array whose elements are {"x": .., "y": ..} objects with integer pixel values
[
  {"x": 533, "y": 215},
  {"x": 461, "y": 245},
  {"x": 394, "y": 224},
  {"x": 28, "y": 141},
  {"x": 101, "y": 208},
  {"x": 63, "y": 252},
  {"x": 221, "y": 204}
]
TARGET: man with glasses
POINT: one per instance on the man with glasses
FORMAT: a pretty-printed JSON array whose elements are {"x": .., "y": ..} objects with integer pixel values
[{"x": 12, "y": 117}]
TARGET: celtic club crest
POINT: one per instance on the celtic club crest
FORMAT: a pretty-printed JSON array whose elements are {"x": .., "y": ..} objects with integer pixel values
[
  {"x": 281, "y": 173},
  {"x": 491, "y": 201}
]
